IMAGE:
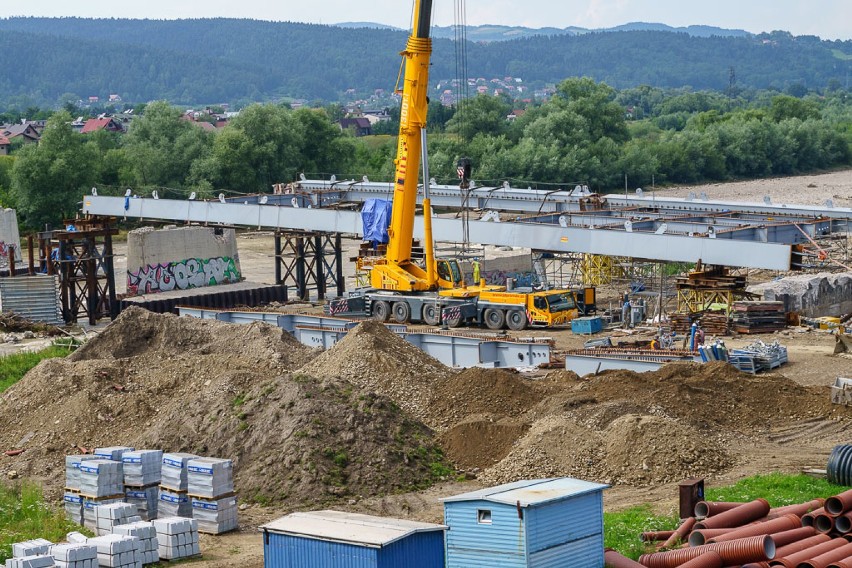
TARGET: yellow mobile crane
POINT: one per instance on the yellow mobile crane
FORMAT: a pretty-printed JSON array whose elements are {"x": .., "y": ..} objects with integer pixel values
[{"x": 401, "y": 289}]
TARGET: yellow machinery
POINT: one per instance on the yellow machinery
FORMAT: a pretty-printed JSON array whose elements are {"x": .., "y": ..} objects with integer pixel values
[{"x": 401, "y": 289}]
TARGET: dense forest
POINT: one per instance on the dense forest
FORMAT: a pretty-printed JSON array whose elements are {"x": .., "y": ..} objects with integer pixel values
[
  {"x": 588, "y": 132},
  {"x": 50, "y": 61}
]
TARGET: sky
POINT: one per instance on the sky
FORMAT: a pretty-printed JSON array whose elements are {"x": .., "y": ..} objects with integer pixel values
[{"x": 829, "y": 19}]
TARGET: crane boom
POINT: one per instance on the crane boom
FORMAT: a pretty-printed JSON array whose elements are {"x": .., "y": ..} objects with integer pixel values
[{"x": 398, "y": 272}]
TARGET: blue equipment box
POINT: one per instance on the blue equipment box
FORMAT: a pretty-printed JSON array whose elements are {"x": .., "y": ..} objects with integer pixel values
[{"x": 587, "y": 325}]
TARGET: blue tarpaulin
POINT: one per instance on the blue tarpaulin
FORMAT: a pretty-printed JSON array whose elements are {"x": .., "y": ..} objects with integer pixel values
[{"x": 375, "y": 216}]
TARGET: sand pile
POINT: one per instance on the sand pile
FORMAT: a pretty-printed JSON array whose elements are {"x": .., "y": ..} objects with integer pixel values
[
  {"x": 158, "y": 381},
  {"x": 374, "y": 358}
]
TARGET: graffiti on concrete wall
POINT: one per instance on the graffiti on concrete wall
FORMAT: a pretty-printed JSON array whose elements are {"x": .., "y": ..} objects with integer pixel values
[{"x": 182, "y": 275}]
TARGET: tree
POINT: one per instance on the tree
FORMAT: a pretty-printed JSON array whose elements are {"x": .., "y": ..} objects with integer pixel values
[
  {"x": 324, "y": 147},
  {"x": 482, "y": 114},
  {"x": 161, "y": 146},
  {"x": 49, "y": 179}
]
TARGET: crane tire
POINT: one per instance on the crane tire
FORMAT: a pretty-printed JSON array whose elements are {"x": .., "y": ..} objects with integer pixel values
[
  {"x": 494, "y": 318},
  {"x": 516, "y": 320},
  {"x": 401, "y": 312},
  {"x": 381, "y": 311},
  {"x": 431, "y": 314}
]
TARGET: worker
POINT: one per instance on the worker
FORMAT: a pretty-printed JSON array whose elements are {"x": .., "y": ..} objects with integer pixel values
[
  {"x": 625, "y": 311},
  {"x": 655, "y": 344},
  {"x": 699, "y": 336},
  {"x": 477, "y": 275}
]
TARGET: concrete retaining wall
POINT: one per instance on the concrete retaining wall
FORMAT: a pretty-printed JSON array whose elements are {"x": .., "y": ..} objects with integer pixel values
[
  {"x": 180, "y": 259},
  {"x": 9, "y": 235},
  {"x": 811, "y": 295}
]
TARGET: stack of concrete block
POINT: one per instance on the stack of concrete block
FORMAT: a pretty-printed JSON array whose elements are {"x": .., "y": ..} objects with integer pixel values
[
  {"x": 177, "y": 538},
  {"x": 75, "y": 537},
  {"x": 73, "y": 503},
  {"x": 173, "y": 503},
  {"x": 113, "y": 453},
  {"x": 36, "y": 547},
  {"x": 174, "y": 472},
  {"x": 210, "y": 477},
  {"x": 142, "y": 467},
  {"x": 90, "y": 505},
  {"x": 70, "y": 555},
  {"x": 110, "y": 516},
  {"x": 72, "y": 470},
  {"x": 36, "y": 561},
  {"x": 215, "y": 516},
  {"x": 145, "y": 499},
  {"x": 101, "y": 478},
  {"x": 147, "y": 535},
  {"x": 117, "y": 551}
]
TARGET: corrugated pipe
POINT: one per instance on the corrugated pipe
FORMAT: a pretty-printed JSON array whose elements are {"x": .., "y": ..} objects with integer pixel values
[
  {"x": 798, "y": 546},
  {"x": 808, "y": 518},
  {"x": 752, "y": 549},
  {"x": 800, "y": 509},
  {"x": 785, "y": 523},
  {"x": 823, "y": 523},
  {"x": 704, "y": 509},
  {"x": 709, "y": 559},
  {"x": 792, "y": 560},
  {"x": 736, "y": 517},
  {"x": 785, "y": 538},
  {"x": 651, "y": 536},
  {"x": 843, "y": 523},
  {"x": 839, "y": 504},
  {"x": 839, "y": 466},
  {"x": 756, "y": 565},
  {"x": 845, "y": 563},
  {"x": 615, "y": 560},
  {"x": 823, "y": 560},
  {"x": 702, "y": 536},
  {"x": 679, "y": 534}
]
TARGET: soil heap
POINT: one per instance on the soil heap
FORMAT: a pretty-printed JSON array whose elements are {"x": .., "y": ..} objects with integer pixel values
[
  {"x": 374, "y": 358},
  {"x": 217, "y": 389}
]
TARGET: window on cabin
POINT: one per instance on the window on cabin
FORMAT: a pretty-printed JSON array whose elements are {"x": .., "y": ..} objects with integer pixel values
[{"x": 483, "y": 516}]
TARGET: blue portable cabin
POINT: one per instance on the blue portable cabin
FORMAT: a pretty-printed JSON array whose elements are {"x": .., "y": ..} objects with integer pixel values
[
  {"x": 543, "y": 523},
  {"x": 334, "y": 539}
]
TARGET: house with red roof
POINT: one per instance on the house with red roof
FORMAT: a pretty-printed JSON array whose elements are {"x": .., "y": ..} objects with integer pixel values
[{"x": 103, "y": 123}]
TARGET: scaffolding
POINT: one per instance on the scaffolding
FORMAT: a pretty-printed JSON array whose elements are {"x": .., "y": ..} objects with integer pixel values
[
  {"x": 309, "y": 261},
  {"x": 83, "y": 259}
]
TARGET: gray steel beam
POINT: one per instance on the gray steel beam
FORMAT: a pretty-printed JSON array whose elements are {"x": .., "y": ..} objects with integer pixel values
[
  {"x": 716, "y": 206},
  {"x": 676, "y": 248}
]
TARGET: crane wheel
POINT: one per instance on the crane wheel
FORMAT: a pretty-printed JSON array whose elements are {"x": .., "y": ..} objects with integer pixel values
[
  {"x": 381, "y": 311},
  {"x": 431, "y": 314},
  {"x": 453, "y": 321},
  {"x": 401, "y": 312},
  {"x": 516, "y": 320},
  {"x": 494, "y": 318}
]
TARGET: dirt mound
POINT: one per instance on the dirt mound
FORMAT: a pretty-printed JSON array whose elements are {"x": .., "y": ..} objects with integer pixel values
[
  {"x": 227, "y": 392},
  {"x": 634, "y": 449},
  {"x": 713, "y": 395},
  {"x": 138, "y": 332},
  {"x": 481, "y": 442},
  {"x": 481, "y": 391},
  {"x": 373, "y": 357}
]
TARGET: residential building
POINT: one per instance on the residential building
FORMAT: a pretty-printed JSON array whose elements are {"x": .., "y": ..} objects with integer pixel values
[
  {"x": 361, "y": 125},
  {"x": 102, "y": 123}
]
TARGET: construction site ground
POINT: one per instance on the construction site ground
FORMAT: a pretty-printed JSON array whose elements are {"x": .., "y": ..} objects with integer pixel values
[{"x": 359, "y": 427}]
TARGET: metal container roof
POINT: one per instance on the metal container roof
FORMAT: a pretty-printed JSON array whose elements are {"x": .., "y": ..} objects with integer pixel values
[
  {"x": 350, "y": 528},
  {"x": 531, "y": 491}
]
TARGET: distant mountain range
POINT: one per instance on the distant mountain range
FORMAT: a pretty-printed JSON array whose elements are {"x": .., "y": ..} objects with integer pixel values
[
  {"x": 47, "y": 61},
  {"x": 504, "y": 33}
]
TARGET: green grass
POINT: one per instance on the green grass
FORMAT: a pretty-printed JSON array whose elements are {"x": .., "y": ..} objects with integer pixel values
[
  {"x": 24, "y": 516},
  {"x": 622, "y": 528},
  {"x": 777, "y": 488},
  {"x": 13, "y": 367}
]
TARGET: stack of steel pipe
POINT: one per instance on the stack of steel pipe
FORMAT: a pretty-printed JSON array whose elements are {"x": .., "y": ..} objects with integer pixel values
[{"x": 753, "y": 535}]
